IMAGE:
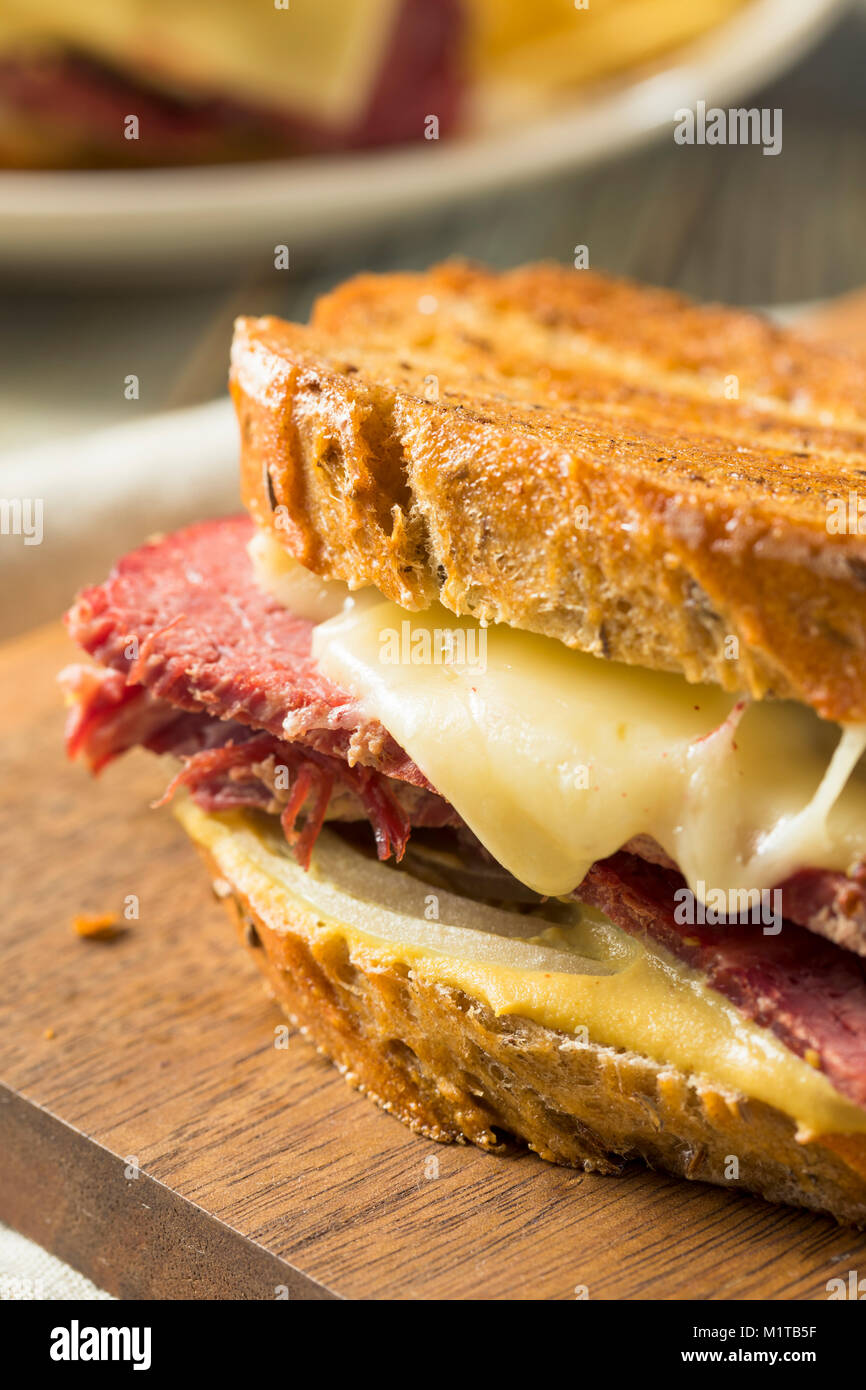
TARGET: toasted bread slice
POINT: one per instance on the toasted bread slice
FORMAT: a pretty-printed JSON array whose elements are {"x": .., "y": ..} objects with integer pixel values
[
  {"x": 613, "y": 466},
  {"x": 453, "y": 1070}
]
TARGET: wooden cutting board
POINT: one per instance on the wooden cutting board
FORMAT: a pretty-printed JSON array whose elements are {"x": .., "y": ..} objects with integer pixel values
[{"x": 153, "y": 1136}]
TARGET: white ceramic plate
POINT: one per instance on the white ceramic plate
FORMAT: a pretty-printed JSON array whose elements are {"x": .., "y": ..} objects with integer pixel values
[{"x": 196, "y": 220}]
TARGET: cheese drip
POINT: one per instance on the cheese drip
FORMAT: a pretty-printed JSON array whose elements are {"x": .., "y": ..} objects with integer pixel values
[
  {"x": 556, "y": 759},
  {"x": 306, "y": 594}
]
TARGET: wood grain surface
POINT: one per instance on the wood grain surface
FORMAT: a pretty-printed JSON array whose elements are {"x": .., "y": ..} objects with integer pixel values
[{"x": 260, "y": 1174}]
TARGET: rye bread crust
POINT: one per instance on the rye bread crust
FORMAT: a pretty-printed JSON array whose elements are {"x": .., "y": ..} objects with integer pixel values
[
  {"x": 640, "y": 477},
  {"x": 452, "y": 1071}
]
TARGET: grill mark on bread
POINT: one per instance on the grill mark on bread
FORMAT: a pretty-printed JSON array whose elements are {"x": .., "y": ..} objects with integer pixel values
[{"x": 620, "y": 409}]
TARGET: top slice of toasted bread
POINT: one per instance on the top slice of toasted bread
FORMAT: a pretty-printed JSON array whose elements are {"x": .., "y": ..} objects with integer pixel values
[{"x": 649, "y": 480}]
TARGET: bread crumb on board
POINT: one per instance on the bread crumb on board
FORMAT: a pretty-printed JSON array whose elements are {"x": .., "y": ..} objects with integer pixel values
[{"x": 97, "y": 926}]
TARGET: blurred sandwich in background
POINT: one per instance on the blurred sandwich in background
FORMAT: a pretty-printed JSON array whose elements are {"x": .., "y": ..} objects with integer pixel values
[{"x": 216, "y": 80}]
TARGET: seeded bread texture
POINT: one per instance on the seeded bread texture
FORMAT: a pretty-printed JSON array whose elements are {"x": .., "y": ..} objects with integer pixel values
[{"x": 614, "y": 466}]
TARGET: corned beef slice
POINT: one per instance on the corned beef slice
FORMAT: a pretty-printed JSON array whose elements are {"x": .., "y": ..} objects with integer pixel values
[
  {"x": 184, "y": 618},
  {"x": 227, "y": 764},
  {"x": 197, "y": 660},
  {"x": 245, "y": 772},
  {"x": 810, "y": 993}
]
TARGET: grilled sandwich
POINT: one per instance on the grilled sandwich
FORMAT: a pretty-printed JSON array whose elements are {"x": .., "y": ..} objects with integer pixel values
[{"x": 521, "y": 720}]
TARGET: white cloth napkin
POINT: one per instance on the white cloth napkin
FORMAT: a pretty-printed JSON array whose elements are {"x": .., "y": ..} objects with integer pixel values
[
  {"x": 103, "y": 494},
  {"x": 29, "y": 1272}
]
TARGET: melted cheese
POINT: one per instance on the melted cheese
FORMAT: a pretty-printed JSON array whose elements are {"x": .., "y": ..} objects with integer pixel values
[
  {"x": 586, "y": 978},
  {"x": 556, "y": 759},
  {"x": 296, "y": 588},
  {"x": 311, "y": 57}
]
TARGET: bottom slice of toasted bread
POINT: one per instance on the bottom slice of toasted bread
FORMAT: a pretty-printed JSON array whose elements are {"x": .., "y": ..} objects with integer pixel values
[{"x": 452, "y": 1070}]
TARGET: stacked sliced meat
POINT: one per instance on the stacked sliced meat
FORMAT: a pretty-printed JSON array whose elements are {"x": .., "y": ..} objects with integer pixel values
[{"x": 197, "y": 661}]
